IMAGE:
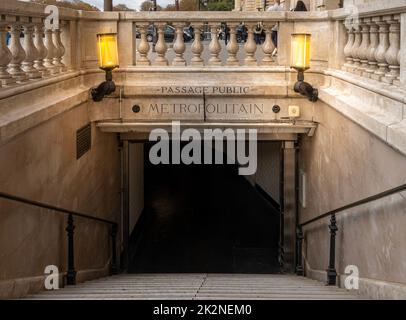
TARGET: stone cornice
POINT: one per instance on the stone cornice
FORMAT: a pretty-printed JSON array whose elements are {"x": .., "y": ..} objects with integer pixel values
[
  {"x": 27, "y": 9},
  {"x": 379, "y": 108},
  {"x": 375, "y": 8}
]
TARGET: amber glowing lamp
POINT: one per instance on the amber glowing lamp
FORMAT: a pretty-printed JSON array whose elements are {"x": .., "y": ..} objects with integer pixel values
[
  {"x": 108, "y": 61},
  {"x": 300, "y": 60}
]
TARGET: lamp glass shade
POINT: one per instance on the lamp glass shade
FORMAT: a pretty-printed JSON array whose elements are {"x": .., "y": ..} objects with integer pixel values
[
  {"x": 108, "y": 51},
  {"x": 300, "y": 54}
]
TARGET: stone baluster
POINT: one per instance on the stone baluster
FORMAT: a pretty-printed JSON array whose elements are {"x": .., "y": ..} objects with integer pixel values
[
  {"x": 51, "y": 53},
  {"x": 179, "y": 46},
  {"x": 391, "y": 54},
  {"x": 161, "y": 47},
  {"x": 42, "y": 50},
  {"x": 17, "y": 54},
  {"x": 60, "y": 50},
  {"x": 397, "y": 81},
  {"x": 348, "y": 66},
  {"x": 31, "y": 53},
  {"x": 354, "y": 51},
  {"x": 143, "y": 47},
  {"x": 214, "y": 46},
  {"x": 381, "y": 51},
  {"x": 374, "y": 42},
  {"x": 197, "y": 46},
  {"x": 268, "y": 47},
  {"x": 363, "y": 48},
  {"x": 5, "y": 58},
  {"x": 250, "y": 46},
  {"x": 232, "y": 46}
]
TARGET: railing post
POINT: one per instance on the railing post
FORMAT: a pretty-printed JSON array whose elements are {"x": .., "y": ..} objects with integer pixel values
[
  {"x": 331, "y": 271},
  {"x": 299, "y": 242},
  {"x": 114, "y": 269},
  {"x": 71, "y": 274}
]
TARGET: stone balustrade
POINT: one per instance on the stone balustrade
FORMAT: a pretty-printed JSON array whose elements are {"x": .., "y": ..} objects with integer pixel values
[
  {"x": 28, "y": 51},
  {"x": 373, "y": 48},
  {"x": 206, "y": 41},
  {"x": 370, "y": 48}
]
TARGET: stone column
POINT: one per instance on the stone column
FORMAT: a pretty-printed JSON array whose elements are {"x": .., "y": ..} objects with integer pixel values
[
  {"x": 402, "y": 53},
  {"x": 397, "y": 82},
  {"x": 161, "y": 47},
  {"x": 179, "y": 46},
  {"x": 17, "y": 54},
  {"x": 51, "y": 52},
  {"x": 338, "y": 41},
  {"x": 31, "y": 53},
  {"x": 349, "y": 64},
  {"x": 232, "y": 46},
  {"x": 391, "y": 54},
  {"x": 143, "y": 46},
  {"x": 374, "y": 42},
  {"x": 363, "y": 49},
  {"x": 250, "y": 47},
  {"x": 197, "y": 46},
  {"x": 42, "y": 50},
  {"x": 5, "y": 58},
  {"x": 381, "y": 51},
  {"x": 214, "y": 46},
  {"x": 126, "y": 51},
  {"x": 354, "y": 51},
  {"x": 285, "y": 30},
  {"x": 60, "y": 50},
  {"x": 288, "y": 215},
  {"x": 267, "y": 47}
]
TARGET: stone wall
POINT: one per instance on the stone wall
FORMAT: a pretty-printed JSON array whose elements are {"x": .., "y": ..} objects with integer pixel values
[
  {"x": 268, "y": 169},
  {"x": 345, "y": 163},
  {"x": 41, "y": 164},
  {"x": 136, "y": 182}
]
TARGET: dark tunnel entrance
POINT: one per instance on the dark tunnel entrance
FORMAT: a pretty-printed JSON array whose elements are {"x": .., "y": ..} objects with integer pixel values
[{"x": 203, "y": 219}]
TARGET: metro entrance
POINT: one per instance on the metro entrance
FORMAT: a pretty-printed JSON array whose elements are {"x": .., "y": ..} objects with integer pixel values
[{"x": 203, "y": 218}]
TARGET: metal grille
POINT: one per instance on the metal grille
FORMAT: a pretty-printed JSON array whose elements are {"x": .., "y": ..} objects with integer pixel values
[{"x": 83, "y": 140}]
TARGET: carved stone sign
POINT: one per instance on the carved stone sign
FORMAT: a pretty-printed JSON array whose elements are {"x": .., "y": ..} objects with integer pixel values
[
  {"x": 198, "y": 103},
  {"x": 207, "y": 90},
  {"x": 208, "y": 108}
]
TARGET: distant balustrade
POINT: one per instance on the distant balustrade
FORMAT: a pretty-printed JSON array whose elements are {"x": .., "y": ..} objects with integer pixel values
[
  {"x": 373, "y": 48},
  {"x": 212, "y": 43},
  {"x": 28, "y": 51}
]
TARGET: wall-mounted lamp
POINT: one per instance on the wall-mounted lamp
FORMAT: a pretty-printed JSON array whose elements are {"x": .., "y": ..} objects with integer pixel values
[
  {"x": 108, "y": 61},
  {"x": 300, "y": 60}
]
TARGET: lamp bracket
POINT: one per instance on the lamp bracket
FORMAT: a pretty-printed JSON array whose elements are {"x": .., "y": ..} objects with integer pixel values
[
  {"x": 306, "y": 89},
  {"x": 105, "y": 88}
]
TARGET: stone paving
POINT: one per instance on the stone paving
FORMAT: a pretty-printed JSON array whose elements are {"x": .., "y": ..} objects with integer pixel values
[{"x": 200, "y": 287}]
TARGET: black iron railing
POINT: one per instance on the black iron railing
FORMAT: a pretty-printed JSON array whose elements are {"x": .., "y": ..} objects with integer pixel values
[
  {"x": 71, "y": 272},
  {"x": 331, "y": 269}
]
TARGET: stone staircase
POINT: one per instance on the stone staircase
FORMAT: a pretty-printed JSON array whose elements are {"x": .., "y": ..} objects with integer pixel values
[{"x": 199, "y": 287}]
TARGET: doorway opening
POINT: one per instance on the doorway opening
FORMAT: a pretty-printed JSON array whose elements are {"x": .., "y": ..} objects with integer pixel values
[{"x": 207, "y": 219}]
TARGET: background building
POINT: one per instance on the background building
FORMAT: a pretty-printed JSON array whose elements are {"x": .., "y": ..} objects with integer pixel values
[{"x": 313, "y": 5}]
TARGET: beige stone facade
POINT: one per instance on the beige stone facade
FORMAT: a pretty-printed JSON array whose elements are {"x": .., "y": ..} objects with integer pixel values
[{"x": 261, "y": 5}]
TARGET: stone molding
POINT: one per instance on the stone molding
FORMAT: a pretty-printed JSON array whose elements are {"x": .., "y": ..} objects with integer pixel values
[
  {"x": 377, "y": 107},
  {"x": 368, "y": 288},
  {"x": 19, "y": 288}
]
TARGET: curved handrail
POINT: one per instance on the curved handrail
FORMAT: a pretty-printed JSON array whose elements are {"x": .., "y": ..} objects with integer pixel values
[
  {"x": 331, "y": 270},
  {"x": 71, "y": 272},
  {"x": 356, "y": 204},
  {"x": 54, "y": 208}
]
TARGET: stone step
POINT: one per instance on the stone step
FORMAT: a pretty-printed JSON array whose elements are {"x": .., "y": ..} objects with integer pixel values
[{"x": 199, "y": 286}]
